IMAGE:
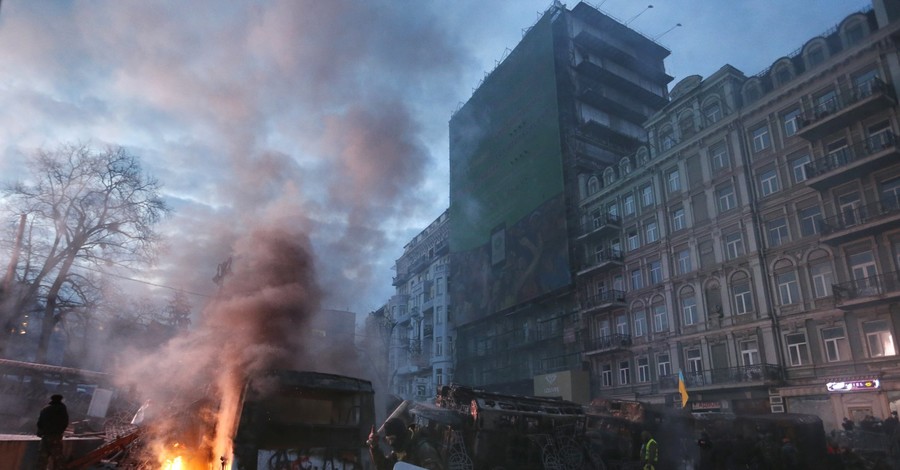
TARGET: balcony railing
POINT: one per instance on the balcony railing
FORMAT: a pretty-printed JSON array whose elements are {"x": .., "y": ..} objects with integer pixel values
[
  {"x": 848, "y": 162},
  {"x": 862, "y": 217},
  {"x": 867, "y": 287},
  {"x": 601, "y": 221},
  {"x": 599, "y": 259},
  {"x": 603, "y": 299},
  {"x": 846, "y": 106},
  {"x": 757, "y": 374},
  {"x": 607, "y": 343}
]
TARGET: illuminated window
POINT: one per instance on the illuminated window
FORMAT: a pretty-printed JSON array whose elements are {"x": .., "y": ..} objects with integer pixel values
[{"x": 879, "y": 338}]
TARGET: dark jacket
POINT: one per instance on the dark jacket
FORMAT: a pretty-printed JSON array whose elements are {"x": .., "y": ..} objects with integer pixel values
[
  {"x": 417, "y": 451},
  {"x": 54, "y": 419}
]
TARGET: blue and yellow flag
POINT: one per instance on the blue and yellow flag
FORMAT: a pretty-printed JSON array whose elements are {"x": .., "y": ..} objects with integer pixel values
[{"x": 682, "y": 389}]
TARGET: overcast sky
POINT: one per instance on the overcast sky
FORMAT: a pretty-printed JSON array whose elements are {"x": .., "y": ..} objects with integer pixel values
[{"x": 329, "y": 114}]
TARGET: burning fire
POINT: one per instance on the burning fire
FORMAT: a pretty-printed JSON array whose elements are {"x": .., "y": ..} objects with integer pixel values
[{"x": 173, "y": 464}]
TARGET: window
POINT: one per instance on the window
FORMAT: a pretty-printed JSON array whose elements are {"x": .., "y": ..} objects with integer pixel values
[
  {"x": 634, "y": 241},
  {"x": 718, "y": 157},
  {"x": 713, "y": 112},
  {"x": 666, "y": 139},
  {"x": 788, "y": 290},
  {"x": 743, "y": 299},
  {"x": 854, "y": 32},
  {"x": 439, "y": 315},
  {"x": 890, "y": 194},
  {"x": 663, "y": 365},
  {"x": 677, "y": 219},
  {"x": 822, "y": 278},
  {"x": 749, "y": 352},
  {"x": 798, "y": 349},
  {"x": 612, "y": 210},
  {"x": 726, "y": 198},
  {"x": 637, "y": 281},
  {"x": 689, "y": 308},
  {"x": 798, "y": 168},
  {"x": 640, "y": 323},
  {"x": 815, "y": 56},
  {"x": 624, "y": 373},
  {"x": 609, "y": 176},
  {"x": 783, "y": 74},
  {"x": 777, "y": 231},
  {"x": 686, "y": 126},
  {"x": 673, "y": 180},
  {"x": 625, "y": 165},
  {"x": 593, "y": 185},
  {"x": 864, "y": 272},
  {"x": 683, "y": 261},
  {"x": 660, "y": 319},
  {"x": 621, "y": 324},
  {"x": 643, "y": 369},
  {"x": 768, "y": 182},
  {"x": 655, "y": 270},
  {"x": 651, "y": 231},
  {"x": 791, "y": 121},
  {"x": 606, "y": 375},
  {"x": 809, "y": 220},
  {"x": 647, "y": 196},
  {"x": 694, "y": 361},
  {"x": 761, "y": 138},
  {"x": 835, "y": 342},
  {"x": 826, "y": 104},
  {"x": 439, "y": 346},
  {"x": 879, "y": 338},
  {"x": 629, "y": 204},
  {"x": 734, "y": 245}
]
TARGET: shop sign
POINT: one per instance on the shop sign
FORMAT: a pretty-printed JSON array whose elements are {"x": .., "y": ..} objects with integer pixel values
[
  {"x": 706, "y": 406},
  {"x": 853, "y": 385}
]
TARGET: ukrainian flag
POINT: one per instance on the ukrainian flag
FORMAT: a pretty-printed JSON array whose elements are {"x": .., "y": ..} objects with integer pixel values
[{"x": 682, "y": 389}]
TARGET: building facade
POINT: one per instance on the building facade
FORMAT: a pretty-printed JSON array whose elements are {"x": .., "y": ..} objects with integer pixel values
[
  {"x": 570, "y": 98},
  {"x": 752, "y": 244},
  {"x": 416, "y": 322}
]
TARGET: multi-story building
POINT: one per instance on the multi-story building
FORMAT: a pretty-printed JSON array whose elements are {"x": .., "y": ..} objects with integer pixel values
[
  {"x": 824, "y": 165},
  {"x": 570, "y": 98},
  {"x": 753, "y": 244},
  {"x": 419, "y": 332}
]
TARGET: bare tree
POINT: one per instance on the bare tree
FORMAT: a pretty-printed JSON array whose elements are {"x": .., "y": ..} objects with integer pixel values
[{"x": 87, "y": 209}]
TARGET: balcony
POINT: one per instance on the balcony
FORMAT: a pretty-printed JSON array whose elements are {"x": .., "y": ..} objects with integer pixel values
[
  {"x": 606, "y": 76},
  {"x": 730, "y": 377},
  {"x": 847, "y": 108},
  {"x": 852, "y": 162},
  {"x": 601, "y": 224},
  {"x": 603, "y": 301},
  {"x": 601, "y": 261},
  {"x": 867, "y": 291},
  {"x": 605, "y": 344},
  {"x": 861, "y": 221}
]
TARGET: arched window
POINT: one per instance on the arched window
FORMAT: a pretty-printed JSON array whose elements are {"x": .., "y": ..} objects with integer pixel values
[
  {"x": 643, "y": 156},
  {"x": 609, "y": 176},
  {"x": 752, "y": 90},
  {"x": 786, "y": 282},
  {"x": 815, "y": 52},
  {"x": 712, "y": 111},
  {"x": 593, "y": 185},
  {"x": 854, "y": 30},
  {"x": 783, "y": 72},
  {"x": 625, "y": 165},
  {"x": 686, "y": 125},
  {"x": 666, "y": 138}
]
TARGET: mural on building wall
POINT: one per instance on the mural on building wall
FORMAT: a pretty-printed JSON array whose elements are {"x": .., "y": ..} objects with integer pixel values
[{"x": 508, "y": 236}]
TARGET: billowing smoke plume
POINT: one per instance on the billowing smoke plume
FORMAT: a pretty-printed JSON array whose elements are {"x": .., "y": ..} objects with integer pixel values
[{"x": 257, "y": 321}]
